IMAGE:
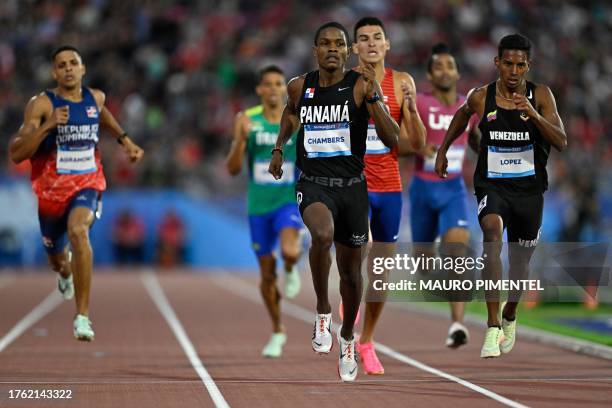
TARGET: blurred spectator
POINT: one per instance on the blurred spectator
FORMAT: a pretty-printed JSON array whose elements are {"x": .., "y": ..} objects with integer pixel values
[
  {"x": 170, "y": 240},
  {"x": 176, "y": 72},
  {"x": 128, "y": 238}
]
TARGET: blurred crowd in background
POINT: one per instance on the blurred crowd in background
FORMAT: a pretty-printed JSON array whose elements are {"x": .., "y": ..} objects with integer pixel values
[{"x": 176, "y": 72}]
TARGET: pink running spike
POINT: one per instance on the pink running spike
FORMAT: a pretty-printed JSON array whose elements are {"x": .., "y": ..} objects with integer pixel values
[{"x": 369, "y": 359}]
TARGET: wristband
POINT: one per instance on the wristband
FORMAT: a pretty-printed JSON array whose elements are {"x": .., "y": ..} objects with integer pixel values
[
  {"x": 277, "y": 149},
  {"x": 121, "y": 137},
  {"x": 375, "y": 98}
]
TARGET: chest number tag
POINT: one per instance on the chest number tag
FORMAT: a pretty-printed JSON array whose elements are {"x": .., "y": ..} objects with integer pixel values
[{"x": 510, "y": 162}]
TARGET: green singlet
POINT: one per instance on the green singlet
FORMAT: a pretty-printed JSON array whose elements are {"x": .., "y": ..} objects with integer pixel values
[{"x": 265, "y": 193}]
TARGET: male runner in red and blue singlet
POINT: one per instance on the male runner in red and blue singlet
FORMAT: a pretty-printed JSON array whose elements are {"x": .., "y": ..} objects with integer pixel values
[
  {"x": 381, "y": 168},
  {"x": 438, "y": 206},
  {"x": 59, "y": 136}
]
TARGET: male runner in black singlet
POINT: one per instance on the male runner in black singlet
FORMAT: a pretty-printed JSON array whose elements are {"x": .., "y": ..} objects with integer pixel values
[
  {"x": 519, "y": 122},
  {"x": 331, "y": 108}
]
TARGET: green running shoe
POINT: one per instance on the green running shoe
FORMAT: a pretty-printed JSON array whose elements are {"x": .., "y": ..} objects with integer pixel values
[
  {"x": 293, "y": 283},
  {"x": 274, "y": 348},
  {"x": 82, "y": 328},
  {"x": 509, "y": 329},
  {"x": 490, "y": 348}
]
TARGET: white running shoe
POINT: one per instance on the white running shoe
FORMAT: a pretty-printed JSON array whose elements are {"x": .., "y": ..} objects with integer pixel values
[
  {"x": 322, "y": 340},
  {"x": 458, "y": 335},
  {"x": 347, "y": 363},
  {"x": 293, "y": 283},
  {"x": 274, "y": 348},
  {"x": 82, "y": 328},
  {"x": 65, "y": 286},
  {"x": 509, "y": 329},
  {"x": 490, "y": 347}
]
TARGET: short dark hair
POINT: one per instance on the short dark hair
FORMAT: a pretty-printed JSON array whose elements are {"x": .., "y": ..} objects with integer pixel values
[
  {"x": 365, "y": 21},
  {"x": 333, "y": 24},
  {"x": 267, "y": 70},
  {"x": 514, "y": 42},
  {"x": 64, "y": 48},
  {"x": 439, "y": 48}
]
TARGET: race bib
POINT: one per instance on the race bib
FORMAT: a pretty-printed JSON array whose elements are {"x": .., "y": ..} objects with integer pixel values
[
  {"x": 263, "y": 177},
  {"x": 327, "y": 140},
  {"x": 510, "y": 162},
  {"x": 454, "y": 155},
  {"x": 75, "y": 160},
  {"x": 373, "y": 143}
]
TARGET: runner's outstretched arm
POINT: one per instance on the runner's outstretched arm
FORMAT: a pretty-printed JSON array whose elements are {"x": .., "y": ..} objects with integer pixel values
[
  {"x": 288, "y": 125},
  {"x": 131, "y": 149}
]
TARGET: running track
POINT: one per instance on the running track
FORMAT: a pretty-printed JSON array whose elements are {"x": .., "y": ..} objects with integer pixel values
[{"x": 194, "y": 340}]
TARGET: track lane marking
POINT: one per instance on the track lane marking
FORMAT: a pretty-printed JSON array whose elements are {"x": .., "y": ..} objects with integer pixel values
[
  {"x": 248, "y": 291},
  {"x": 156, "y": 293},
  {"x": 29, "y": 320}
]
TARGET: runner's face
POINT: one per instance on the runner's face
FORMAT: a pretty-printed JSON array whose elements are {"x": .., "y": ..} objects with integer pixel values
[
  {"x": 371, "y": 44},
  {"x": 444, "y": 74},
  {"x": 68, "y": 69},
  {"x": 331, "y": 49},
  {"x": 272, "y": 89},
  {"x": 512, "y": 67}
]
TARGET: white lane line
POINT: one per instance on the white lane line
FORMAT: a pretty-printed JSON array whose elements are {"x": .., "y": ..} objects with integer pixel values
[
  {"x": 309, "y": 381},
  {"x": 161, "y": 301},
  {"x": 248, "y": 291},
  {"x": 40, "y": 311}
]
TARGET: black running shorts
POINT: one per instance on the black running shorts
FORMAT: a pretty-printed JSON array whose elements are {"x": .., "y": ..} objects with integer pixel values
[
  {"x": 522, "y": 215},
  {"x": 346, "y": 199}
]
